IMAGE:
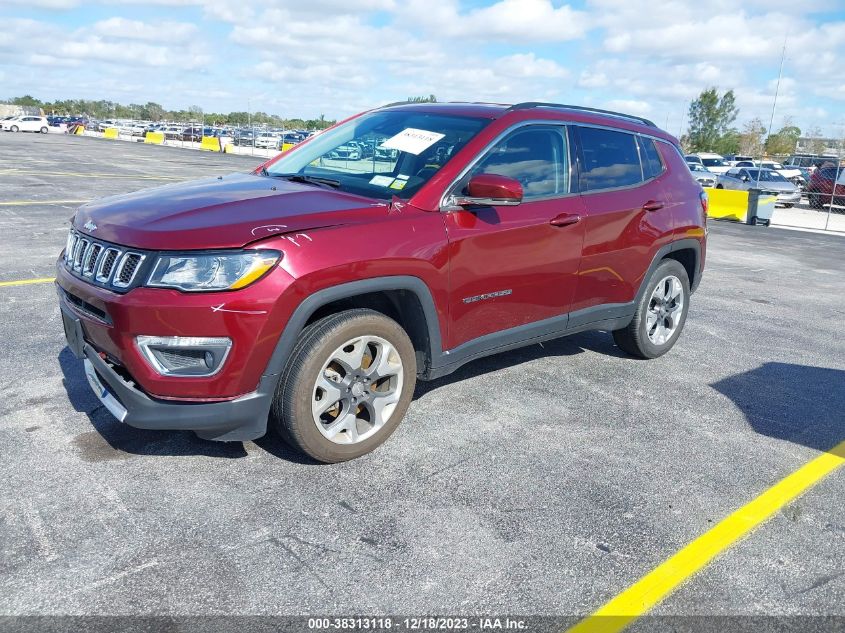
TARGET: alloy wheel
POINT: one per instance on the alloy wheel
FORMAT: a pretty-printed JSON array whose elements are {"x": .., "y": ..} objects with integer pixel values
[
  {"x": 357, "y": 389},
  {"x": 665, "y": 308}
]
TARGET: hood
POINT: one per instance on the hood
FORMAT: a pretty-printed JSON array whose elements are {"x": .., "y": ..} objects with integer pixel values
[
  {"x": 779, "y": 187},
  {"x": 224, "y": 212}
]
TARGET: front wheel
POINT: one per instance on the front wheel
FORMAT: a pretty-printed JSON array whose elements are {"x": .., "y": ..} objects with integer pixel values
[
  {"x": 44, "y": 130},
  {"x": 347, "y": 386},
  {"x": 14, "y": 128},
  {"x": 661, "y": 313}
]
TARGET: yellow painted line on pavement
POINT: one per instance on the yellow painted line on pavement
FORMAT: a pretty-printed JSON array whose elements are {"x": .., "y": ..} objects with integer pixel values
[
  {"x": 73, "y": 174},
  {"x": 27, "y": 282},
  {"x": 23, "y": 203},
  {"x": 652, "y": 588}
]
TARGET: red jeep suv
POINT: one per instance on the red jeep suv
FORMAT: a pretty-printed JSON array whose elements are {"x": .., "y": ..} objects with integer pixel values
[{"x": 312, "y": 293}]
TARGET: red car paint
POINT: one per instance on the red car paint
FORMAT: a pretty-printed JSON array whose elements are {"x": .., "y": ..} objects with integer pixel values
[{"x": 596, "y": 254}]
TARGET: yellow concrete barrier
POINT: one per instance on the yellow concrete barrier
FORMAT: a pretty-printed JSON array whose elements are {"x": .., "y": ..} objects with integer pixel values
[
  {"x": 727, "y": 204},
  {"x": 111, "y": 132},
  {"x": 286, "y": 146},
  {"x": 154, "y": 138},
  {"x": 210, "y": 143},
  {"x": 79, "y": 130}
]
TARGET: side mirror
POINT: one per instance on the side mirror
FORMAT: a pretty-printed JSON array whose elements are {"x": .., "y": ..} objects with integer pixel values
[
  {"x": 490, "y": 190},
  {"x": 746, "y": 179}
]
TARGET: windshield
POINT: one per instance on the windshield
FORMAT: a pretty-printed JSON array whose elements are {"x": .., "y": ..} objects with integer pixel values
[
  {"x": 766, "y": 175},
  {"x": 713, "y": 162},
  {"x": 381, "y": 154}
]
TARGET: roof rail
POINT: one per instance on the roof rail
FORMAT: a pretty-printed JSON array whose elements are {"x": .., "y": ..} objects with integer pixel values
[{"x": 562, "y": 106}]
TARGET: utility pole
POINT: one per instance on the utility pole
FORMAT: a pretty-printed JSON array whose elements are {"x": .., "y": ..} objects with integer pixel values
[{"x": 774, "y": 105}]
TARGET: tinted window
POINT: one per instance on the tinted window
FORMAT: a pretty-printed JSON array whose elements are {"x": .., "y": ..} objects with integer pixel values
[
  {"x": 536, "y": 157},
  {"x": 652, "y": 165},
  {"x": 610, "y": 159},
  {"x": 712, "y": 162}
]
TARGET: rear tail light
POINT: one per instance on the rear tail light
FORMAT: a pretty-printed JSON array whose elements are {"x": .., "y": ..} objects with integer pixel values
[{"x": 705, "y": 203}]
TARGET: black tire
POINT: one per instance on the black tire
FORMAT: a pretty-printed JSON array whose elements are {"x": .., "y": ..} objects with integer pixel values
[
  {"x": 634, "y": 339},
  {"x": 814, "y": 200},
  {"x": 44, "y": 130},
  {"x": 14, "y": 128},
  {"x": 754, "y": 221},
  {"x": 788, "y": 205},
  {"x": 720, "y": 187},
  {"x": 291, "y": 413}
]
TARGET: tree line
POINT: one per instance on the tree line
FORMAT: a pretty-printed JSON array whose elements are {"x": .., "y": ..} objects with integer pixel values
[
  {"x": 150, "y": 111},
  {"x": 711, "y": 118}
]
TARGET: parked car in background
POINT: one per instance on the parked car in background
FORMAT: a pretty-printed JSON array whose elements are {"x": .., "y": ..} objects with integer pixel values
[
  {"x": 745, "y": 178},
  {"x": 809, "y": 161},
  {"x": 27, "y": 123},
  {"x": 820, "y": 188},
  {"x": 792, "y": 174},
  {"x": 267, "y": 140},
  {"x": 692, "y": 159},
  {"x": 733, "y": 159},
  {"x": 347, "y": 151},
  {"x": 702, "y": 175},
  {"x": 713, "y": 162}
]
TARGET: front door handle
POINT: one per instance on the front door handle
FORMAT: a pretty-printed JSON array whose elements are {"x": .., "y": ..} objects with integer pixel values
[
  {"x": 653, "y": 205},
  {"x": 565, "y": 219}
]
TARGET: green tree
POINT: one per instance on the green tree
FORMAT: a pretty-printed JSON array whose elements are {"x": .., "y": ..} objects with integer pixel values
[
  {"x": 428, "y": 99},
  {"x": 783, "y": 142},
  {"x": 710, "y": 117},
  {"x": 751, "y": 138},
  {"x": 26, "y": 100},
  {"x": 816, "y": 144}
]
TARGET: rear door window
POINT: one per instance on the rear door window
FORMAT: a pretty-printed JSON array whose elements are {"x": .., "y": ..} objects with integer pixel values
[
  {"x": 610, "y": 159},
  {"x": 652, "y": 164}
]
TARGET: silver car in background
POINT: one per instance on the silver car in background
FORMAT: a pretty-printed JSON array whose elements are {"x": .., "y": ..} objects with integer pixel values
[
  {"x": 702, "y": 175},
  {"x": 745, "y": 178}
]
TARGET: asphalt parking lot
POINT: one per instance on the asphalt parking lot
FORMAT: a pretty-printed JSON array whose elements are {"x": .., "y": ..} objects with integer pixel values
[{"x": 541, "y": 481}]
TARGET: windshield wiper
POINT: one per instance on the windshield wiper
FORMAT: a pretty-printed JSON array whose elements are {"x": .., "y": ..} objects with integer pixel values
[{"x": 311, "y": 180}]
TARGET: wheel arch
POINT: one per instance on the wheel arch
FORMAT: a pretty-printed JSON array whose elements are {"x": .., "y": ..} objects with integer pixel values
[
  {"x": 686, "y": 251},
  {"x": 404, "y": 298}
]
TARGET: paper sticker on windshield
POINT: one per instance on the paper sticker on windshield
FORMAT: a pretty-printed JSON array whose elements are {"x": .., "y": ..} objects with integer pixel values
[
  {"x": 381, "y": 181},
  {"x": 412, "y": 140},
  {"x": 398, "y": 184}
]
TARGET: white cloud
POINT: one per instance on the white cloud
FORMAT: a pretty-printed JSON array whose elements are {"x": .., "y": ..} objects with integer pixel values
[{"x": 509, "y": 20}]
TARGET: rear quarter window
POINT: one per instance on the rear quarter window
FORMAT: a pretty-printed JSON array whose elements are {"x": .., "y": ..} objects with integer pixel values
[
  {"x": 610, "y": 159},
  {"x": 652, "y": 163}
]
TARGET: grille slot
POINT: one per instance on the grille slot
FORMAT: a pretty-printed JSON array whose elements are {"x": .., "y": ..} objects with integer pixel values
[
  {"x": 107, "y": 265},
  {"x": 91, "y": 259},
  {"x": 79, "y": 253},
  {"x": 126, "y": 270}
]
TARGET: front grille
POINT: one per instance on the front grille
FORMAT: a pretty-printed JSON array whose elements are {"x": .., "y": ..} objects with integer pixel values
[
  {"x": 102, "y": 263},
  {"x": 86, "y": 308}
]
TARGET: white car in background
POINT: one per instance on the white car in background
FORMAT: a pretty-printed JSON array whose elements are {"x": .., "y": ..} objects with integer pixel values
[
  {"x": 268, "y": 140},
  {"x": 27, "y": 123},
  {"x": 714, "y": 162}
]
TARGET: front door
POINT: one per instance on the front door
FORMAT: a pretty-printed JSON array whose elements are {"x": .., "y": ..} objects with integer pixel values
[{"x": 514, "y": 265}]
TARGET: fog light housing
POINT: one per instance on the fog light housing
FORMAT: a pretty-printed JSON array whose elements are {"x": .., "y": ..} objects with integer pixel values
[{"x": 189, "y": 356}]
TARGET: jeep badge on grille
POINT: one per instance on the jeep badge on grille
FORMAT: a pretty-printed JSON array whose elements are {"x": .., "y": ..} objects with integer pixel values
[{"x": 90, "y": 225}]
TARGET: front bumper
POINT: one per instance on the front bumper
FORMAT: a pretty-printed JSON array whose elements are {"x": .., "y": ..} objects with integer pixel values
[
  {"x": 240, "y": 419},
  {"x": 789, "y": 198}
]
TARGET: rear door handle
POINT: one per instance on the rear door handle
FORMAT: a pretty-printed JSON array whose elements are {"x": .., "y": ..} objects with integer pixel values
[
  {"x": 653, "y": 205},
  {"x": 565, "y": 219}
]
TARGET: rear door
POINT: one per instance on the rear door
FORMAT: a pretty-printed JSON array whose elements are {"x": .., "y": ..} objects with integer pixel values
[
  {"x": 628, "y": 217},
  {"x": 514, "y": 265}
]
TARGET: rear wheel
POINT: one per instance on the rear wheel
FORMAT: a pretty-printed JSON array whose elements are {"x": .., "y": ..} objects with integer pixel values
[
  {"x": 661, "y": 313},
  {"x": 347, "y": 386},
  {"x": 44, "y": 130},
  {"x": 814, "y": 200}
]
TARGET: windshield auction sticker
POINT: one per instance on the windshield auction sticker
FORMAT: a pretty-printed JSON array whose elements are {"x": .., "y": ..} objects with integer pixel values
[{"x": 412, "y": 140}]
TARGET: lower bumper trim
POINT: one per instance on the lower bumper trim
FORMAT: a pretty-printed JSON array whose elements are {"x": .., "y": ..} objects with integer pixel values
[{"x": 241, "y": 419}]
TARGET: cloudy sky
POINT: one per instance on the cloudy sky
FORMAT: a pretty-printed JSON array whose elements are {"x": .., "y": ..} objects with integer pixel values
[{"x": 336, "y": 57}]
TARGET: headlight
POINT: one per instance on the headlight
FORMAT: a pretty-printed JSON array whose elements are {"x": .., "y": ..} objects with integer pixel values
[{"x": 212, "y": 271}]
